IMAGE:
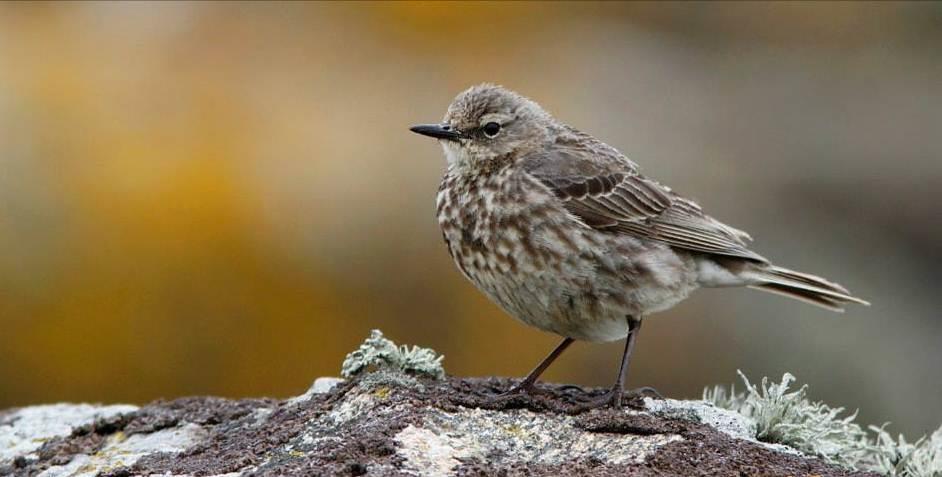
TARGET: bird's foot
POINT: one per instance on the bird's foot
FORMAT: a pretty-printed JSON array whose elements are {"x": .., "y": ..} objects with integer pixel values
[
  {"x": 518, "y": 396},
  {"x": 616, "y": 399},
  {"x": 645, "y": 391},
  {"x": 516, "y": 392}
]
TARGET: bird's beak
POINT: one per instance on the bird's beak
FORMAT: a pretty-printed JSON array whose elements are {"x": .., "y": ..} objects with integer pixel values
[{"x": 438, "y": 131}]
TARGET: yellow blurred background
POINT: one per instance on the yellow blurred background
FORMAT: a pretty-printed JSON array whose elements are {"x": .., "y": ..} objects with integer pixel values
[{"x": 224, "y": 198}]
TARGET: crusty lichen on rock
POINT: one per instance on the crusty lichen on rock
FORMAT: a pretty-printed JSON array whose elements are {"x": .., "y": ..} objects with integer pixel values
[
  {"x": 381, "y": 353},
  {"x": 788, "y": 417}
]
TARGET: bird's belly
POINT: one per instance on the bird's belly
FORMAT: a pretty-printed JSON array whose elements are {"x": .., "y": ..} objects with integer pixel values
[
  {"x": 555, "y": 302},
  {"x": 583, "y": 286}
]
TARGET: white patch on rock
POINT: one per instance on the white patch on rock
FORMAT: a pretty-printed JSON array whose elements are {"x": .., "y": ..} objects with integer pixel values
[
  {"x": 260, "y": 415},
  {"x": 324, "y": 385},
  {"x": 445, "y": 439},
  {"x": 728, "y": 422},
  {"x": 426, "y": 452},
  {"x": 27, "y": 429},
  {"x": 352, "y": 408},
  {"x": 321, "y": 385},
  {"x": 80, "y": 465},
  {"x": 122, "y": 451},
  {"x": 362, "y": 400}
]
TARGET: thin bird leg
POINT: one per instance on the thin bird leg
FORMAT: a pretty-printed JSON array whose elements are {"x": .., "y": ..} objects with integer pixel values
[
  {"x": 634, "y": 326},
  {"x": 614, "y": 396},
  {"x": 526, "y": 385}
]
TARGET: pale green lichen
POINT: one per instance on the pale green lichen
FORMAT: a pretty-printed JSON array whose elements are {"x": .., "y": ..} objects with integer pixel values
[
  {"x": 724, "y": 398},
  {"x": 378, "y": 352},
  {"x": 789, "y": 418},
  {"x": 897, "y": 457}
]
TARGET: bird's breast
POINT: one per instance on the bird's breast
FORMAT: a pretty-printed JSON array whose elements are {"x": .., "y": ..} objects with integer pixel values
[
  {"x": 502, "y": 224},
  {"x": 470, "y": 211}
]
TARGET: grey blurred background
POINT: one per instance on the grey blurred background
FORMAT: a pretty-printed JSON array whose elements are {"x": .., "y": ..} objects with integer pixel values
[{"x": 224, "y": 198}]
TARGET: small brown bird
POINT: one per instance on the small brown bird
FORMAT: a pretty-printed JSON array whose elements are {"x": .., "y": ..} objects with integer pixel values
[{"x": 565, "y": 234}]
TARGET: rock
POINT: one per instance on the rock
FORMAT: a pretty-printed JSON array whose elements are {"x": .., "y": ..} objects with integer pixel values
[
  {"x": 728, "y": 422},
  {"x": 24, "y": 431},
  {"x": 391, "y": 423},
  {"x": 320, "y": 386}
]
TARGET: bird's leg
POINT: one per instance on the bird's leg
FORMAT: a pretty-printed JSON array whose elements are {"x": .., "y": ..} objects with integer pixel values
[
  {"x": 526, "y": 385},
  {"x": 634, "y": 326},
  {"x": 614, "y": 396}
]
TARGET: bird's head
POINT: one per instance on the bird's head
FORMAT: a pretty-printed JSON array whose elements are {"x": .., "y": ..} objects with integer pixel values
[{"x": 488, "y": 122}]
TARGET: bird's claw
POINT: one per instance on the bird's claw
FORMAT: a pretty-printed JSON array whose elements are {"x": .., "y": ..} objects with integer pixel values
[
  {"x": 645, "y": 390},
  {"x": 615, "y": 399}
]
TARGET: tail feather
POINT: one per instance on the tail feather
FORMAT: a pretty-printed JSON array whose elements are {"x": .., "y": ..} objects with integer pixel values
[
  {"x": 803, "y": 295},
  {"x": 804, "y": 287}
]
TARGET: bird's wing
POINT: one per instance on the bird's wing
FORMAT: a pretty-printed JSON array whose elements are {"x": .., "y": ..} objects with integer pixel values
[{"x": 604, "y": 189}]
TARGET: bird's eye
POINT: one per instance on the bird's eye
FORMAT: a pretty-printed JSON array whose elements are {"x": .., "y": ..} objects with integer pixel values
[{"x": 491, "y": 129}]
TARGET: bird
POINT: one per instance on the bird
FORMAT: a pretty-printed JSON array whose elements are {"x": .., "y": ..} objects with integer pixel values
[{"x": 566, "y": 234}]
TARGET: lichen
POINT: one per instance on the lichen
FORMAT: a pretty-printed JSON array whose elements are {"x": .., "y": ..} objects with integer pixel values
[
  {"x": 378, "y": 352},
  {"x": 897, "y": 457},
  {"x": 789, "y": 418}
]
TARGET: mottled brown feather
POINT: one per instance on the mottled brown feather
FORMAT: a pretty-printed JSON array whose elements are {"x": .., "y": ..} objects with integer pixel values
[{"x": 605, "y": 190}]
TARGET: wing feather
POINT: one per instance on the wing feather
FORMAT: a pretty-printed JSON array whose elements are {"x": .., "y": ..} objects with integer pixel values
[{"x": 606, "y": 191}]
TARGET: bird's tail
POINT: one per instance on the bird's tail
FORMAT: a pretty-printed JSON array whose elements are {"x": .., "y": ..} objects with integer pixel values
[{"x": 804, "y": 287}]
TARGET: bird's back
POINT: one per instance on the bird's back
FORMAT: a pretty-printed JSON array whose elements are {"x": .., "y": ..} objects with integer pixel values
[{"x": 604, "y": 189}]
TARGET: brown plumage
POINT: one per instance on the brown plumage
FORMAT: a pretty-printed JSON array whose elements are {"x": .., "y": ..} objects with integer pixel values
[{"x": 566, "y": 234}]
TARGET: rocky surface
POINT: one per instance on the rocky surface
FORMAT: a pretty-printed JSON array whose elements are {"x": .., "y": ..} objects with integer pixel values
[{"x": 390, "y": 423}]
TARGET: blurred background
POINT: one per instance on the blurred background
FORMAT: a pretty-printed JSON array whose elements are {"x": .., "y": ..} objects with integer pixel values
[{"x": 224, "y": 198}]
